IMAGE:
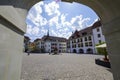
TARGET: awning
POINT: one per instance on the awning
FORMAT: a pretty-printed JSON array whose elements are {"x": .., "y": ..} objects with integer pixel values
[{"x": 101, "y": 46}]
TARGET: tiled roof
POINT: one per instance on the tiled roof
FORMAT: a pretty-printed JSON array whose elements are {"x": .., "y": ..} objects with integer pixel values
[
  {"x": 85, "y": 31},
  {"x": 38, "y": 39},
  {"x": 81, "y": 33},
  {"x": 26, "y": 37},
  {"x": 53, "y": 38},
  {"x": 96, "y": 24}
]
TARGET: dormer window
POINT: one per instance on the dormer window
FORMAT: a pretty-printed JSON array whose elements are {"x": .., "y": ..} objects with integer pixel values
[
  {"x": 98, "y": 29},
  {"x": 84, "y": 33}
]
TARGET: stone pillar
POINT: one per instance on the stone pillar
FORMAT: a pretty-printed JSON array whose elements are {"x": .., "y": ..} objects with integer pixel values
[
  {"x": 11, "y": 43},
  {"x": 112, "y": 35}
]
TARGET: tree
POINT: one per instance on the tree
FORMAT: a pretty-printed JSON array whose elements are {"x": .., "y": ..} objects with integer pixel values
[{"x": 103, "y": 51}]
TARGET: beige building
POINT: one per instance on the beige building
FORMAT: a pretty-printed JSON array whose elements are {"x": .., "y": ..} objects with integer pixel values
[{"x": 26, "y": 43}]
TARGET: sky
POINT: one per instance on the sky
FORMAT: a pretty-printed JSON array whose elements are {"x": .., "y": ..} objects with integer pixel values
[{"x": 59, "y": 18}]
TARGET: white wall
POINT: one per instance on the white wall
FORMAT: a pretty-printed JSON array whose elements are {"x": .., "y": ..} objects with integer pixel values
[
  {"x": 84, "y": 47},
  {"x": 47, "y": 46},
  {"x": 95, "y": 35},
  {"x": 63, "y": 46}
]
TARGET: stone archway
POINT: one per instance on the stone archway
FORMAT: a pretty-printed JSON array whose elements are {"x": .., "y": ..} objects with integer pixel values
[{"x": 12, "y": 27}]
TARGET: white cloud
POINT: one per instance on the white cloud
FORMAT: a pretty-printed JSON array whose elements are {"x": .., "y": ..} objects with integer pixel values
[
  {"x": 32, "y": 30},
  {"x": 38, "y": 20},
  {"x": 41, "y": 20},
  {"x": 38, "y": 8},
  {"x": 63, "y": 18},
  {"x": 67, "y": 35},
  {"x": 29, "y": 29},
  {"x": 35, "y": 30},
  {"x": 52, "y": 8},
  {"x": 54, "y": 33},
  {"x": 96, "y": 19},
  {"x": 53, "y": 21},
  {"x": 74, "y": 19},
  {"x": 43, "y": 31},
  {"x": 64, "y": 28},
  {"x": 82, "y": 22},
  {"x": 59, "y": 26}
]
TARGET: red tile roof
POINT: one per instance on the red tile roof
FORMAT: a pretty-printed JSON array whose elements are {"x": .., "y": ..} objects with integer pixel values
[
  {"x": 81, "y": 33},
  {"x": 38, "y": 39},
  {"x": 96, "y": 24},
  {"x": 53, "y": 38},
  {"x": 85, "y": 31}
]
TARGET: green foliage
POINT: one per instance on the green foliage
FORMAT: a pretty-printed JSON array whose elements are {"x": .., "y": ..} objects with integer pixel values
[{"x": 102, "y": 51}]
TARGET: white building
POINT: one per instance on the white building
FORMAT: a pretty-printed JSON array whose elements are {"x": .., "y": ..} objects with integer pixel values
[
  {"x": 84, "y": 41},
  {"x": 49, "y": 43},
  {"x": 97, "y": 33}
]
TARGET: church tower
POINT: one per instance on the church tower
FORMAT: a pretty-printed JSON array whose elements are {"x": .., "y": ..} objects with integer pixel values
[{"x": 48, "y": 33}]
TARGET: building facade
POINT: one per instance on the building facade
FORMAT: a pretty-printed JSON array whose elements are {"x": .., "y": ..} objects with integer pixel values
[
  {"x": 26, "y": 43},
  {"x": 97, "y": 33},
  {"x": 84, "y": 41},
  {"x": 49, "y": 43}
]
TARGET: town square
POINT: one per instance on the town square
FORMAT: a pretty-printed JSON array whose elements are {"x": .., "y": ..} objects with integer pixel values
[{"x": 65, "y": 66}]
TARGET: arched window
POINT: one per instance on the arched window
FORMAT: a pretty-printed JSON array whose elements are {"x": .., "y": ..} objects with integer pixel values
[
  {"x": 74, "y": 50},
  {"x": 90, "y": 51},
  {"x": 81, "y": 51}
]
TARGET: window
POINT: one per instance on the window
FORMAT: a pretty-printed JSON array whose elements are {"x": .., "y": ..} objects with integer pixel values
[
  {"x": 68, "y": 46},
  {"x": 85, "y": 38},
  {"x": 90, "y": 43},
  {"x": 81, "y": 40},
  {"x": 84, "y": 33},
  {"x": 75, "y": 45},
  {"x": 78, "y": 40},
  {"x": 86, "y": 44},
  {"x": 72, "y": 41},
  {"x": 89, "y": 38},
  {"x": 98, "y": 29},
  {"x": 78, "y": 45},
  {"x": 99, "y": 35},
  {"x": 100, "y": 41},
  {"x": 81, "y": 44},
  {"x": 75, "y": 41}
]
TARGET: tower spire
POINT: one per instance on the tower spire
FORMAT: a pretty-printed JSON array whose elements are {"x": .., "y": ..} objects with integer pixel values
[{"x": 48, "y": 33}]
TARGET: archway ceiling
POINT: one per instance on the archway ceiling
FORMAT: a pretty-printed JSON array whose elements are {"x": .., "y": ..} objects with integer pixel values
[{"x": 106, "y": 9}]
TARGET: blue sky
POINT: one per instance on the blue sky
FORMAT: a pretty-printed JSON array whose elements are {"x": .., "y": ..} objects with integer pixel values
[{"x": 60, "y": 18}]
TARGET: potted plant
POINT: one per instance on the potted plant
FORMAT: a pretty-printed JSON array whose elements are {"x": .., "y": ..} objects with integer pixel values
[{"x": 101, "y": 49}]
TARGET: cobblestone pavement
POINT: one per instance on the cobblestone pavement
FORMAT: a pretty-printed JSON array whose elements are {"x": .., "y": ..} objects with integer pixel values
[{"x": 63, "y": 67}]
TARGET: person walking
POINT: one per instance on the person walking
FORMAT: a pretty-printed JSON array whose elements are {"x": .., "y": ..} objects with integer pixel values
[{"x": 28, "y": 52}]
